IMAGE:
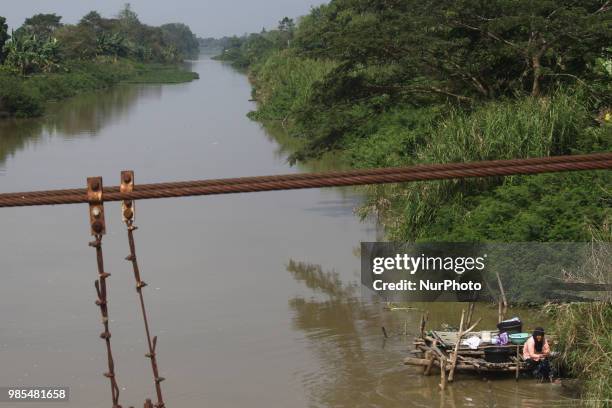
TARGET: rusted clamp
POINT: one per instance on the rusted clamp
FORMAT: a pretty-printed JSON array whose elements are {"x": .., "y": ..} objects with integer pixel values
[
  {"x": 96, "y": 207},
  {"x": 127, "y": 206}
]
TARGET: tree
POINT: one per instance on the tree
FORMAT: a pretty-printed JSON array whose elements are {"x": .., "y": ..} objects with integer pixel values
[
  {"x": 286, "y": 28},
  {"x": 540, "y": 40},
  {"x": 41, "y": 25},
  {"x": 181, "y": 37},
  {"x": 286, "y": 24},
  {"x": 77, "y": 41},
  {"x": 128, "y": 17},
  {"x": 4, "y": 36},
  {"x": 93, "y": 20},
  {"x": 463, "y": 50}
]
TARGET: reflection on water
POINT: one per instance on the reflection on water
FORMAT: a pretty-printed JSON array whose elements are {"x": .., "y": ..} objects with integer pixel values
[
  {"x": 359, "y": 368},
  {"x": 82, "y": 116}
]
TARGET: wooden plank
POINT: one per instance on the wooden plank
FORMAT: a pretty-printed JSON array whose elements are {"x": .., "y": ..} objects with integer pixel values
[
  {"x": 416, "y": 361},
  {"x": 472, "y": 364}
]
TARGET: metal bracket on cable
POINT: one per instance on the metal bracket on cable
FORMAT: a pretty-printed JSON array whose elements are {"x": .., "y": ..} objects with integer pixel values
[
  {"x": 96, "y": 206},
  {"x": 128, "y": 210}
]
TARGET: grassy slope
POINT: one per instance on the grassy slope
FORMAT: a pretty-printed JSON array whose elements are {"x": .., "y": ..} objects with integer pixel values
[{"x": 554, "y": 207}]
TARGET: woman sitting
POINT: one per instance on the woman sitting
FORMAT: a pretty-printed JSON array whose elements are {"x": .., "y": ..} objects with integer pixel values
[{"x": 535, "y": 352}]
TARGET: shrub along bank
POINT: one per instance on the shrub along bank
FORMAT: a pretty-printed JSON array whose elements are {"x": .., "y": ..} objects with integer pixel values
[{"x": 27, "y": 96}]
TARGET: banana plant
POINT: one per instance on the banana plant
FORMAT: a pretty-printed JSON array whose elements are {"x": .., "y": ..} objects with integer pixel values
[
  {"x": 27, "y": 54},
  {"x": 112, "y": 44}
]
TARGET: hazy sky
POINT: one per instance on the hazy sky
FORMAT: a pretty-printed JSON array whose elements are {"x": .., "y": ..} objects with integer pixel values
[{"x": 207, "y": 18}]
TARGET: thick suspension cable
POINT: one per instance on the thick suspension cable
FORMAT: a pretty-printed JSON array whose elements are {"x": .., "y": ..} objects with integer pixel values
[{"x": 316, "y": 180}]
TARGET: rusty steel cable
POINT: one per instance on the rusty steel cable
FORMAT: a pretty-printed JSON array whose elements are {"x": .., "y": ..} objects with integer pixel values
[
  {"x": 287, "y": 177},
  {"x": 140, "y": 284},
  {"x": 307, "y": 176},
  {"x": 316, "y": 180},
  {"x": 102, "y": 302}
]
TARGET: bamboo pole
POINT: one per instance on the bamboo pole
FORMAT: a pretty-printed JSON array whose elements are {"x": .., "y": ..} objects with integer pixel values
[
  {"x": 424, "y": 319},
  {"x": 451, "y": 374},
  {"x": 422, "y": 326},
  {"x": 518, "y": 362},
  {"x": 470, "y": 313},
  {"x": 443, "y": 373},
  {"x": 430, "y": 360},
  {"x": 504, "y": 310}
]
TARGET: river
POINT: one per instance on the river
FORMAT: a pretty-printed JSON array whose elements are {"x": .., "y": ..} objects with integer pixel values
[{"x": 253, "y": 296}]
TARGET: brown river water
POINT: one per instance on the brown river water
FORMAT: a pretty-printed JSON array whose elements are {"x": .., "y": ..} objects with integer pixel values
[{"x": 238, "y": 325}]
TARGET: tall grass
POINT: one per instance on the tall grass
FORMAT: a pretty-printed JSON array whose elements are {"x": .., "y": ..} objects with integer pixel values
[
  {"x": 526, "y": 127},
  {"x": 284, "y": 84},
  {"x": 585, "y": 329},
  {"x": 585, "y": 332}
]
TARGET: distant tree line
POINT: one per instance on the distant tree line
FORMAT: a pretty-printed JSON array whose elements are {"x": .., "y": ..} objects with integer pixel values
[
  {"x": 43, "y": 42},
  {"x": 214, "y": 44},
  {"x": 256, "y": 47}
]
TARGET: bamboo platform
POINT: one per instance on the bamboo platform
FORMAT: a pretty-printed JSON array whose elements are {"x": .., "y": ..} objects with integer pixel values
[
  {"x": 443, "y": 350},
  {"x": 467, "y": 359}
]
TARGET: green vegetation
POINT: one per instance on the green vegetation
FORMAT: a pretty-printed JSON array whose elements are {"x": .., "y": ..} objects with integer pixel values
[
  {"x": 586, "y": 340},
  {"x": 585, "y": 329},
  {"x": 392, "y": 83},
  {"x": 160, "y": 73},
  {"x": 46, "y": 60}
]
